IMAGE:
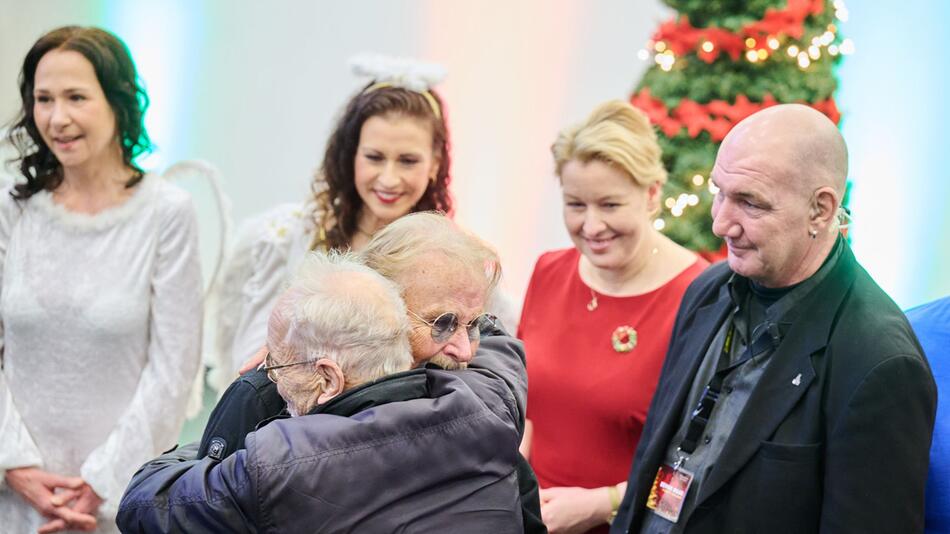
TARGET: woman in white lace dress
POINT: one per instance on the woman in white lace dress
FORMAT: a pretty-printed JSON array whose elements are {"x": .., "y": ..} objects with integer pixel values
[
  {"x": 100, "y": 305},
  {"x": 388, "y": 156}
]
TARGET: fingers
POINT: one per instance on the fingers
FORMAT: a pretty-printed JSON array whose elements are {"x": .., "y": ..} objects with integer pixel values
[
  {"x": 73, "y": 483},
  {"x": 56, "y": 525},
  {"x": 53, "y": 481},
  {"x": 88, "y": 502},
  {"x": 254, "y": 361},
  {"x": 544, "y": 495},
  {"x": 75, "y": 520},
  {"x": 64, "y": 497}
]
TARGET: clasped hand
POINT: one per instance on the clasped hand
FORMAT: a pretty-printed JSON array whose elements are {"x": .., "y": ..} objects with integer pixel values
[
  {"x": 573, "y": 510},
  {"x": 68, "y": 502}
]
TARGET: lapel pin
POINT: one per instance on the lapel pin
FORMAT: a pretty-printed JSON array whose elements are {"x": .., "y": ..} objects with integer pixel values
[{"x": 797, "y": 381}]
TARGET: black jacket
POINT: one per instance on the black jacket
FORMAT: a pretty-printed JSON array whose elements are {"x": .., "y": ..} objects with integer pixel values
[{"x": 835, "y": 436}]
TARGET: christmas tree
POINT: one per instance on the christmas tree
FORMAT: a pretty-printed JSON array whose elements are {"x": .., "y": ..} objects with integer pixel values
[{"x": 717, "y": 62}]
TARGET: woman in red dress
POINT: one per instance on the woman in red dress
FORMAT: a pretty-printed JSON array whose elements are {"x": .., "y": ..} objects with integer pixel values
[{"x": 597, "y": 318}]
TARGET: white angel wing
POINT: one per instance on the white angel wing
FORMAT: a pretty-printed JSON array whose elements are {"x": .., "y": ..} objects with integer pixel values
[
  {"x": 8, "y": 171},
  {"x": 201, "y": 178},
  {"x": 203, "y": 181}
]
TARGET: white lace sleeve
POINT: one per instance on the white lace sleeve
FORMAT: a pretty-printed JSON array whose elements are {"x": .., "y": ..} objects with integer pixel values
[
  {"x": 153, "y": 419},
  {"x": 264, "y": 255},
  {"x": 17, "y": 448}
]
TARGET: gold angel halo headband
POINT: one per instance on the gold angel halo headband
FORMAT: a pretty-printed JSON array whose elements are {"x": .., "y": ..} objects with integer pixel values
[{"x": 433, "y": 103}]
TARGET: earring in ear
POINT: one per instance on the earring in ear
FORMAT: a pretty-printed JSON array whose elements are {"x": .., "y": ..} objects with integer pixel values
[
  {"x": 813, "y": 233},
  {"x": 432, "y": 179}
]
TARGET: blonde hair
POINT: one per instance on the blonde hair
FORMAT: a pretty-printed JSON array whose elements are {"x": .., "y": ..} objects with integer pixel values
[
  {"x": 336, "y": 308},
  {"x": 394, "y": 250},
  {"x": 617, "y": 134}
]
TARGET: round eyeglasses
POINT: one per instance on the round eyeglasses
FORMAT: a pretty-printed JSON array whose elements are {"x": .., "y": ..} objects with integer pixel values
[{"x": 445, "y": 325}]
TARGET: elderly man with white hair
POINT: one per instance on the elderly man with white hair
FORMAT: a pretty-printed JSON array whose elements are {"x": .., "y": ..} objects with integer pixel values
[
  {"x": 338, "y": 324},
  {"x": 372, "y": 446},
  {"x": 794, "y": 396},
  {"x": 446, "y": 276}
]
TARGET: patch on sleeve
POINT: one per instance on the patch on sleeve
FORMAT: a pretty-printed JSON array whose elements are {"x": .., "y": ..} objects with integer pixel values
[{"x": 216, "y": 448}]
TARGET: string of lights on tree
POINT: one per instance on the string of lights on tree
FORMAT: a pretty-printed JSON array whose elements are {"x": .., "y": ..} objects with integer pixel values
[{"x": 716, "y": 63}]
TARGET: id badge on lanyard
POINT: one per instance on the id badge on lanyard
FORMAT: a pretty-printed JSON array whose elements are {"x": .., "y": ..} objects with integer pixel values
[{"x": 668, "y": 492}]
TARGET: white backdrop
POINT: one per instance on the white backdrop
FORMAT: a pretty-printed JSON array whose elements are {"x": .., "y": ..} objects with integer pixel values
[{"x": 254, "y": 87}]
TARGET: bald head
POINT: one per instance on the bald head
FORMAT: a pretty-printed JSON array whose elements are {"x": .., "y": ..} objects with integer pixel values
[
  {"x": 801, "y": 142},
  {"x": 781, "y": 176}
]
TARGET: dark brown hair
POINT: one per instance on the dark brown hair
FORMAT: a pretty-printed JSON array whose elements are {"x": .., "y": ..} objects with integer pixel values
[
  {"x": 116, "y": 73},
  {"x": 340, "y": 202}
]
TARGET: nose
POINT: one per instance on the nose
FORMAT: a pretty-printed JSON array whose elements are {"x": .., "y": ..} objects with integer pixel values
[
  {"x": 387, "y": 176},
  {"x": 459, "y": 347},
  {"x": 59, "y": 114},
  {"x": 724, "y": 224},
  {"x": 593, "y": 223}
]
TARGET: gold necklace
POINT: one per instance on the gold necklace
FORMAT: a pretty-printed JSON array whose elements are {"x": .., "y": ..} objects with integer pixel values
[{"x": 592, "y": 305}]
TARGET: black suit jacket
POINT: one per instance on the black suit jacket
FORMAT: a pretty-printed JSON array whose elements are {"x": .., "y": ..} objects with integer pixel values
[{"x": 841, "y": 448}]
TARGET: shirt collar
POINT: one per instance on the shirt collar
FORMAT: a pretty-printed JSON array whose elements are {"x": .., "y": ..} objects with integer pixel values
[{"x": 739, "y": 289}]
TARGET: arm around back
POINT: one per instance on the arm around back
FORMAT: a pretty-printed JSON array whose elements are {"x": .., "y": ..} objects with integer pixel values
[
  {"x": 176, "y": 493},
  {"x": 501, "y": 355}
]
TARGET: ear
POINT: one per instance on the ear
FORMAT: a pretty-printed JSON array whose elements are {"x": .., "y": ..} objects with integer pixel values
[
  {"x": 434, "y": 172},
  {"x": 654, "y": 192},
  {"x": 824, "y": 207},
  {"x": 333, "y": 379}
]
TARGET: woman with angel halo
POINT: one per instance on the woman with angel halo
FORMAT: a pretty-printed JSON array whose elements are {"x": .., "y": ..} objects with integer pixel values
[{"x": 387, "y": 156}]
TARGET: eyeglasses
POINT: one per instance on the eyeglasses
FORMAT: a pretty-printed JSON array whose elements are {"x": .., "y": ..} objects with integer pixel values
[
  {"x": 271, "y": 375},
  {"x": 445, "y": 325}
]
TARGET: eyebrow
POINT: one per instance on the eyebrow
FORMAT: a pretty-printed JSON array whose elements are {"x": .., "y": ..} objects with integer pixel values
[
  {"x": 745, "y": 195},
  {"x": 608, "y": 198},
  {"x": 369, "y": 148},
  {"x": 68, "y": 90}
]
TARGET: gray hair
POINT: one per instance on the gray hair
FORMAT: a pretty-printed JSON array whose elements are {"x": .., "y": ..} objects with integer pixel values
[
  {"x": 339, "y": 309},
  {"x": 395, "y": 250}
]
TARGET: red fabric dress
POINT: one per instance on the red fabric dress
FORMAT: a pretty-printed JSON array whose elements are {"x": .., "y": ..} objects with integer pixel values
[{"x": 586, "y": 401}]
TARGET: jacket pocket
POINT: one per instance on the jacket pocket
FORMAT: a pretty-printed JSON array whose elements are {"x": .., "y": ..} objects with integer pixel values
[
  {"x": 789, "y": 452},
  {"x": 788, "y": 487}
]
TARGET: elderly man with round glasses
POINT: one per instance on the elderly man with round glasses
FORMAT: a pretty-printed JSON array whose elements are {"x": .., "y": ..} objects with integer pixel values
[
  {"x": 445, "y": 276},
  {"x": 371, "y": 446}
]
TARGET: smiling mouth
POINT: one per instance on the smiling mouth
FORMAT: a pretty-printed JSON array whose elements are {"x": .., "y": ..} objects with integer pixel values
[
  {"x": 599, "y": 244},
  {"x": 65, "y": 141},
  {"x": 386, "y": 197}
]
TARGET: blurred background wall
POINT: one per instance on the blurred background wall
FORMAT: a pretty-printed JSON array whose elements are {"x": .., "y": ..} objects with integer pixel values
[{"x": 254, "y": 88}]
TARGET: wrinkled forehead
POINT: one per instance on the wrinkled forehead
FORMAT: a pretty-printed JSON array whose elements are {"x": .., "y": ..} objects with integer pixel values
[
  {"x": 438, "y": 283},
  {"x": 764, "y": 163},
  {"x": 787, "y": 146}
]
